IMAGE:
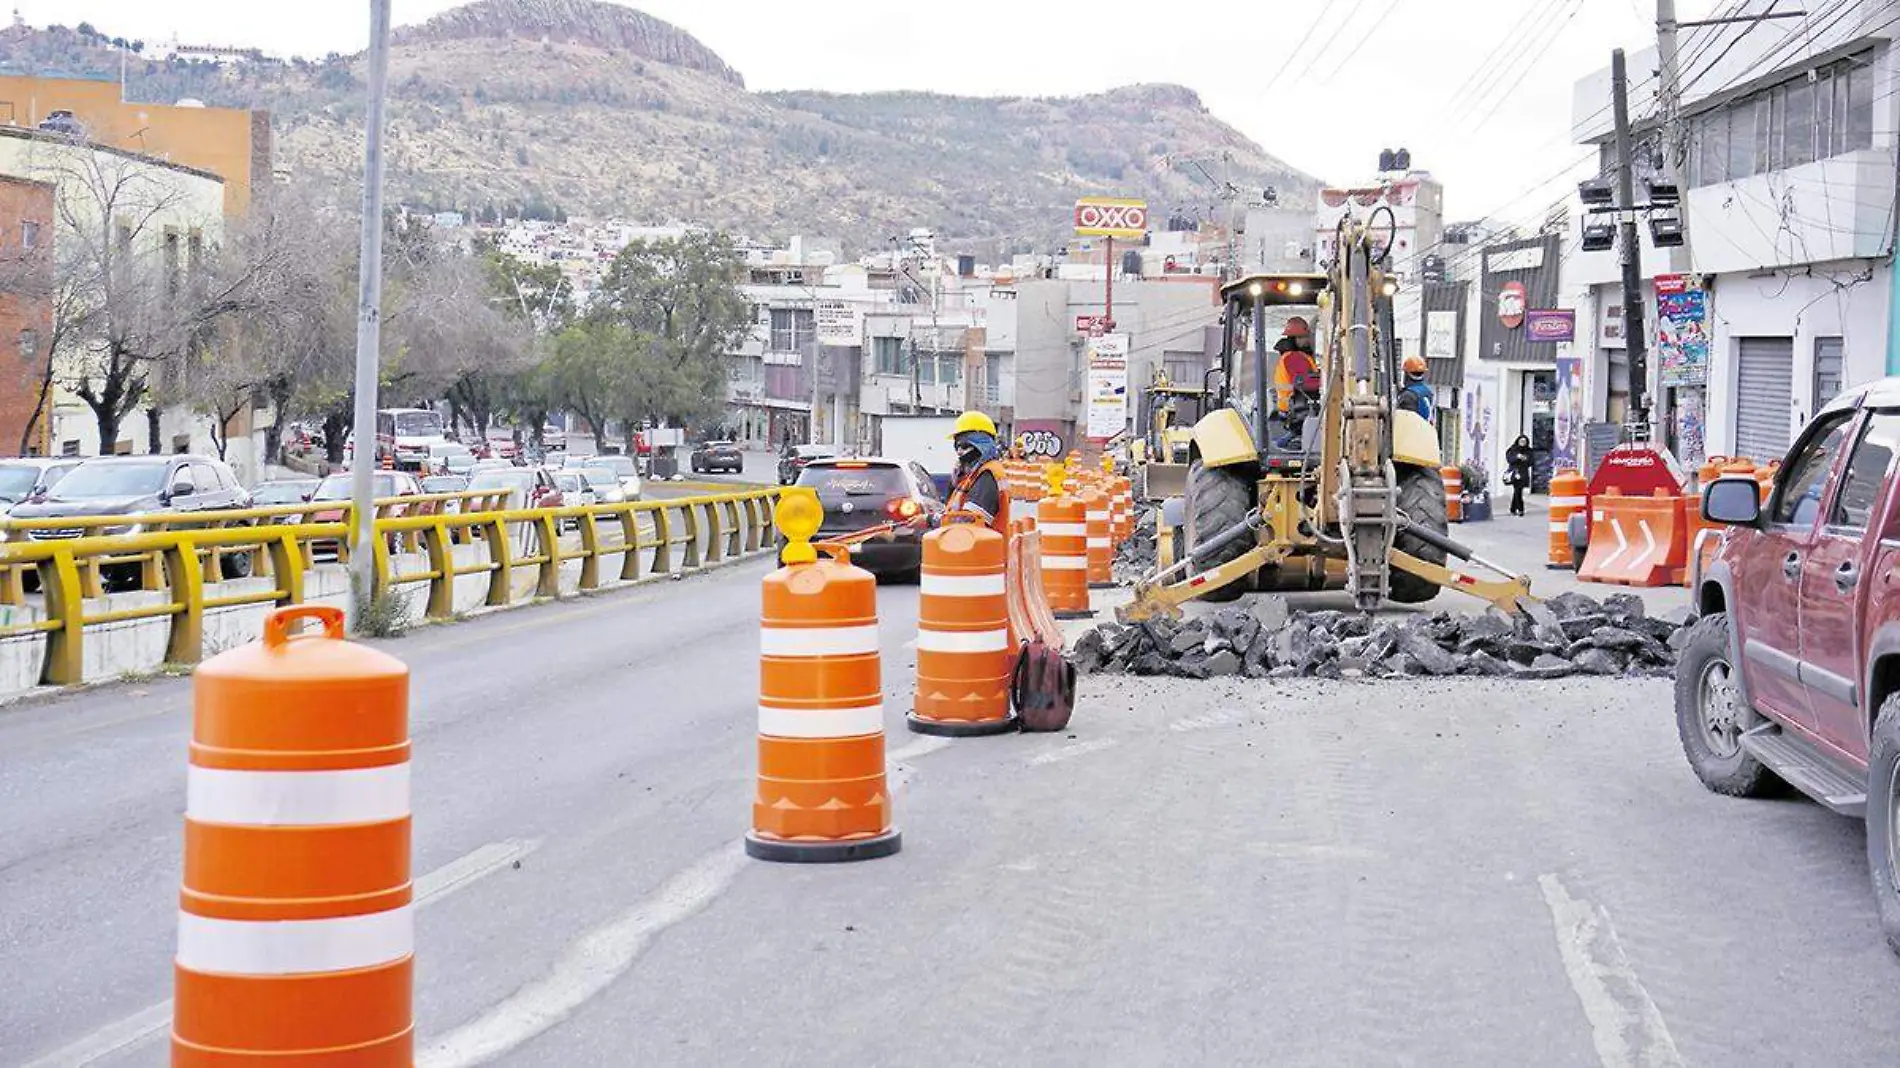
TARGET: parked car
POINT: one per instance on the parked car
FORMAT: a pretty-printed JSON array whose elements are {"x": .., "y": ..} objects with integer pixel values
[
  {"x": 553, "y": 438},
  {"x": 138, "y": 485},
  {"x": 857, "y": 494},
  {"x": 1792, "y": 671},
  {"x": 624, "y": 470},
  {"x": 794, "y": 461},
  {"x": 528, "y": 487},
  {"x": 710, "y": 456},
  {"x": 450, "y": 458},
  {"x": 340, "y": 487},
  {"x": 283, "y": 491},
  {"x": 29, "y": 478},
  {"x": 489, "y": 464},
  {"x": 605, "y": 487},
  {"x": 445, "y": 484}
]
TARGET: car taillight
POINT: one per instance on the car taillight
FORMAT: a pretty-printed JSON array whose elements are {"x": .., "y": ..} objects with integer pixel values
[{"x": 902, "y": 508}]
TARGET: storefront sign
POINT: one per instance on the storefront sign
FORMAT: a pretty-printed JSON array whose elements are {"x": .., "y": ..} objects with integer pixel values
[
  {"x": 839, "y": 322},
  {"x": 1550, "y": 325},
  {"x": 1441, "y": 335},
  {"x": 1111, "y": 217},
  {"x": 1512, "y": 303},
  {"x": 1107, "y": 394}
]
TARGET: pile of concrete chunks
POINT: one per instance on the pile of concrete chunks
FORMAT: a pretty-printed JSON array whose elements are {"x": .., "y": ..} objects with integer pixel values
[{"x": 1571, "y": 634}]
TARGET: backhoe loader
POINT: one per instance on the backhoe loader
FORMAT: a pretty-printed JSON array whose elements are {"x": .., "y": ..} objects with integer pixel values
[
  {"x": 1168, "y": 415},
  {"x": 1291, "y": 490}
]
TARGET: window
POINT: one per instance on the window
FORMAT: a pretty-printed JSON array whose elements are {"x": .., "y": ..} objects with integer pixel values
[
  {"x": 1798, "y": 492},
  {"x": 29, "y": 344},
  {"x": 29, "y": 234},
  {"x": 1866, "y": 472},
  {"x": 793, "y": 329},
  {"x": 950, "y": 369},
  {"x": 1816, "y": 114},
  {"x": 890, "y": 357},
  {"x": 1799, "y": 131},
  {"x": 1827, "y": 369}
]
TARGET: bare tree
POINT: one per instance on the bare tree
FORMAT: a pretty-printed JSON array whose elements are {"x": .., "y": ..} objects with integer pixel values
[{"x": 147, "y": 285}]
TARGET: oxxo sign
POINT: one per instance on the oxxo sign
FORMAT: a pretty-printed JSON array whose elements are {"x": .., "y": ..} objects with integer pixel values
[{"x": 1111, "y": 217}]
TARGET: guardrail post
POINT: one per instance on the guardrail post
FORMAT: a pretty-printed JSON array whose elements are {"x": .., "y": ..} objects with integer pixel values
[
  {"x": 13, "y": 584},
  {"x": 287, "y": 566},
  {"x": 65, "y": 605},
  {"x": 690, "y": 559},
  {"x": 495, "y": 533},
  {"x": 186, "y": 642},
  {"x": 663, "y": 537},
  {"x": 630, "y": 534},
  {"x": 440, "y": 544},
  {"x": 734, "y": 527},
  {"x": 754, "y": 523},
  {"x": 379, "y": 564},
  {"x": 549, "y": 583},
  {"x": 151, "y": 565},
  {"x": 715, "y": 540},
  {"x": 92, "y": 578},
  {"x": 590, "y": 552}
]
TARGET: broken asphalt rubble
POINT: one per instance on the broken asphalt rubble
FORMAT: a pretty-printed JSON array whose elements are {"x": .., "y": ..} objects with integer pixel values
[{"x": 1570, "y": 634}]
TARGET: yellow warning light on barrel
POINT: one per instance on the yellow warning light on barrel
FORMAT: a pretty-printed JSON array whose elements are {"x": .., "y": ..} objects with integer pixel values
[
  {"x": 797, "y": 516},
  {"x": 1056, "y": 475}
]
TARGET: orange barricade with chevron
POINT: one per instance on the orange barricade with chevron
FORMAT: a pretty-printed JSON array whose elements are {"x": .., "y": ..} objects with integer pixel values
[{"x": 1636, "y": 541}]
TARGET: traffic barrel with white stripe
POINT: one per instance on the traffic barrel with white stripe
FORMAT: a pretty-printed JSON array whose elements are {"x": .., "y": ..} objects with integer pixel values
[
  {"x": 821, "y": 788},
  {"x": 1062, "y": 523},
  {"x": 1454, "y": 480},
  {"x": 1101, "y": 540},
  {"x": 295, "y": 933},
  {"x": 963, "y": 646},
  {"x": 1567, "y": 498},
  {"x": 1122, "y": 512}
]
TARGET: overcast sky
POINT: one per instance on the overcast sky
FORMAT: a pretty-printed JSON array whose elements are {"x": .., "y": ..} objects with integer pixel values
[{"x": 1479, "y": 90}]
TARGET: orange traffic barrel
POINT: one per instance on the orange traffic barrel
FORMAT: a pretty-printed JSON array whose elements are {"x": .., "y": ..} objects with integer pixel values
[
  {"x": 1122, "y": 508},
  {"x": 1567, "y": 497},
  {"x": 1710, "y": 470},
  {"x": 1062, "y": 523},
  {"x": 821, "y": 789},
  {"x": 1101, "y": 539},
  {"x": 963, "y": 646},
  {"x": 1454, "y": 480},
  {"x": 296, "y": 938}
]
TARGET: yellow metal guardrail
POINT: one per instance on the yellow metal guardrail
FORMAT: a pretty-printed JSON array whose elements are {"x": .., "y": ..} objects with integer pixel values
[{"x": 180, "y": 556}]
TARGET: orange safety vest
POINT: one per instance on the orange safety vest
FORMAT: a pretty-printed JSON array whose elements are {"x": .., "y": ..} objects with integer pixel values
[
  {"x": 958, "y": 494},
  {"x": 1295, "y": 371}
]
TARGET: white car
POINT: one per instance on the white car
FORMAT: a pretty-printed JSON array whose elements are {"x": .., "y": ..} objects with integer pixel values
[
  {"x": 624, "y": 471},
  {"x": 602, "y": 483}
]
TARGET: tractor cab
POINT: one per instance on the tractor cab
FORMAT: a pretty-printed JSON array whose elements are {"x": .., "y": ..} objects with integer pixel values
[
  {"x": 1167, "y": 417},
  {"x": 1271, "y": 362}
]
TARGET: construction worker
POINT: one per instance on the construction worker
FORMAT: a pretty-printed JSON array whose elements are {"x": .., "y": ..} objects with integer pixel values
[
  {"x": 1416, "y": 395},
  {"x": 1296, "y": 382},
  {"x": 981, "y": 485}
]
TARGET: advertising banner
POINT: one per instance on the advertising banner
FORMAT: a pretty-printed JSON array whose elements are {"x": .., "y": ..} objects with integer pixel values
[
  {"x": 839, "y": 322},
  {"x": 1567, "y": 425},
  {"x": 1107, "y": 393},
  {"x": 1682, "y": 333},
  {"x": 1111, "y": 217},
  {"x": 1550, "y": 325},
  {"x": 1441, "y": 335}
]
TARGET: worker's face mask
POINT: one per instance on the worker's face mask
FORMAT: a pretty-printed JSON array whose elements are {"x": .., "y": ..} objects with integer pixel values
[{"x": 967, "y": 452}]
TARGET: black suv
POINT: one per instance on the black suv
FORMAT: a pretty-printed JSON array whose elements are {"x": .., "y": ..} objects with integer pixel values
[{"x": 138, "y": 485}]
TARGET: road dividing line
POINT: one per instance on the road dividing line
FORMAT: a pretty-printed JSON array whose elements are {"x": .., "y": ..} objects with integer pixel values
[
  {"x": 135, "y": 1030},
  {"x": 588, "y": 967},
  {"x": 1625, "y": 1026},
  {"x": 1068, "y": 751},
  {"x": 923, "y": 746}
]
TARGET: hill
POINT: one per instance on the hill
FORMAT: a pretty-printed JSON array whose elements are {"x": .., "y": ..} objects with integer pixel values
[{"x": 597, "y": 109}]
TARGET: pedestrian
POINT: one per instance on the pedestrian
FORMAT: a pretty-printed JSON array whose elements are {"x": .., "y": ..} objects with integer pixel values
[
  {"x": 1416, "y": 395},
  {"x": 1517, "y": 464}
]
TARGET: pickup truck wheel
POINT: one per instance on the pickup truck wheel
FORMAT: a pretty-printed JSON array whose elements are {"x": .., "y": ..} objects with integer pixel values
[
  {"x": 1883, "y": 818},
  {"x": 1711, "y": 714}
]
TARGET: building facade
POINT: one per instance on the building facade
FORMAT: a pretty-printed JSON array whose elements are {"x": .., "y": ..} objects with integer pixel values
[{"x": 26, "y": 311}]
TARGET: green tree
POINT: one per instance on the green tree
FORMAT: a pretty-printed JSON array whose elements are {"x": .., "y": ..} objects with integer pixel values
[{"x": 680, "y": 302}]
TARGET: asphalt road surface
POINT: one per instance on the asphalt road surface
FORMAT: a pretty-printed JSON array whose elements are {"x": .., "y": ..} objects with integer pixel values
[{"x": 1450, "y": 872}]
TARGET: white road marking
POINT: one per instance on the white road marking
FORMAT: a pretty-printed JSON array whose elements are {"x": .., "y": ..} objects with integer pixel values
[
  {"x": 135, "y": 1030},
  {"x": 605, "y": 954},
  {"x": 588, "y": 967},
  {"x": 1625, "y": 1026},
  {"x": 1069, "y": 751}
]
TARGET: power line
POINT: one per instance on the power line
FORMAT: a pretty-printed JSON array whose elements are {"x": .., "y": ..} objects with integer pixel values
[
  {"x": 1481, "y": 92},
  {"x": 1378, "y": 22},
  {"x": 1304, "y": 38},
  {"x": 1530, "y": 65},
  {"x": 1317, "y": 54},
  {"x": 1499, "y": 51}
]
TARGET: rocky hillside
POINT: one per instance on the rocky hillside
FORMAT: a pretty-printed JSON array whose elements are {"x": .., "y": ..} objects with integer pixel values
[{"x": 597, "y": 109}]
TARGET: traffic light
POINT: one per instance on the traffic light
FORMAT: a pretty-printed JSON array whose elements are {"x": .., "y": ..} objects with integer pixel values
[{"x": 1598, "y": 237}]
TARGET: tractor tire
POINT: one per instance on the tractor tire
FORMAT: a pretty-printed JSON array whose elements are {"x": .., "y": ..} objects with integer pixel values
[
  {"x": 1217, "y": 498},
  {"x": 1421, "y": 500}
]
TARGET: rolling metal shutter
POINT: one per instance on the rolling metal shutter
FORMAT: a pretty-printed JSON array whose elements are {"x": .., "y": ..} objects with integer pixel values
[{"x": 1764, "y": 396}]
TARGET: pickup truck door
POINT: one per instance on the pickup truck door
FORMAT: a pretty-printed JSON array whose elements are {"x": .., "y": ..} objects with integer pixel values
[
  {"x": 1849, "y": 557},
  {"x": 1767, "y": 586}
]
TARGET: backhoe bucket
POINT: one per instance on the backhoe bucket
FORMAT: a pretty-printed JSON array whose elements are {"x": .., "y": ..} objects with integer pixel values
[{"x": 1161, "y": 481}]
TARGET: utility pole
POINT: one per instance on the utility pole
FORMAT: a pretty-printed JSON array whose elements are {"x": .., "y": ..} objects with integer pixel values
[
  {"x": 1674, "y": 139},
  {"x": 1630, "y": 251},
  {"x": 369, "y": 304}
]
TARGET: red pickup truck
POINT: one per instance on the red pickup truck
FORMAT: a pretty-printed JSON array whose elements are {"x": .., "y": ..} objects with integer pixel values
[{"x": 1792, "y": 670}]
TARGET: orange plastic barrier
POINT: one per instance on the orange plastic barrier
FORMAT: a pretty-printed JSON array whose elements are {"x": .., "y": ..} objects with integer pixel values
[
  {"x": 1566, "y": 499},
  {"x": 1636, "y": 541},
  {"x": 295, "y": 935},
  {"x": 1765, "y": 478},
  {"x": 1062, "y": 523},
  {"x": 963, "y": 646},
  {"x": 821, "y": 794},
  {"x": 1029, "y": 614},
  {"x": 1454, "y": 480},
  {"x": 1101, "y": 539}
]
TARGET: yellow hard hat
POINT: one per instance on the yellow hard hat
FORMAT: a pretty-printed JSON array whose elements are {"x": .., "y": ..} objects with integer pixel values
[{"x": 969, "y": 421}]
